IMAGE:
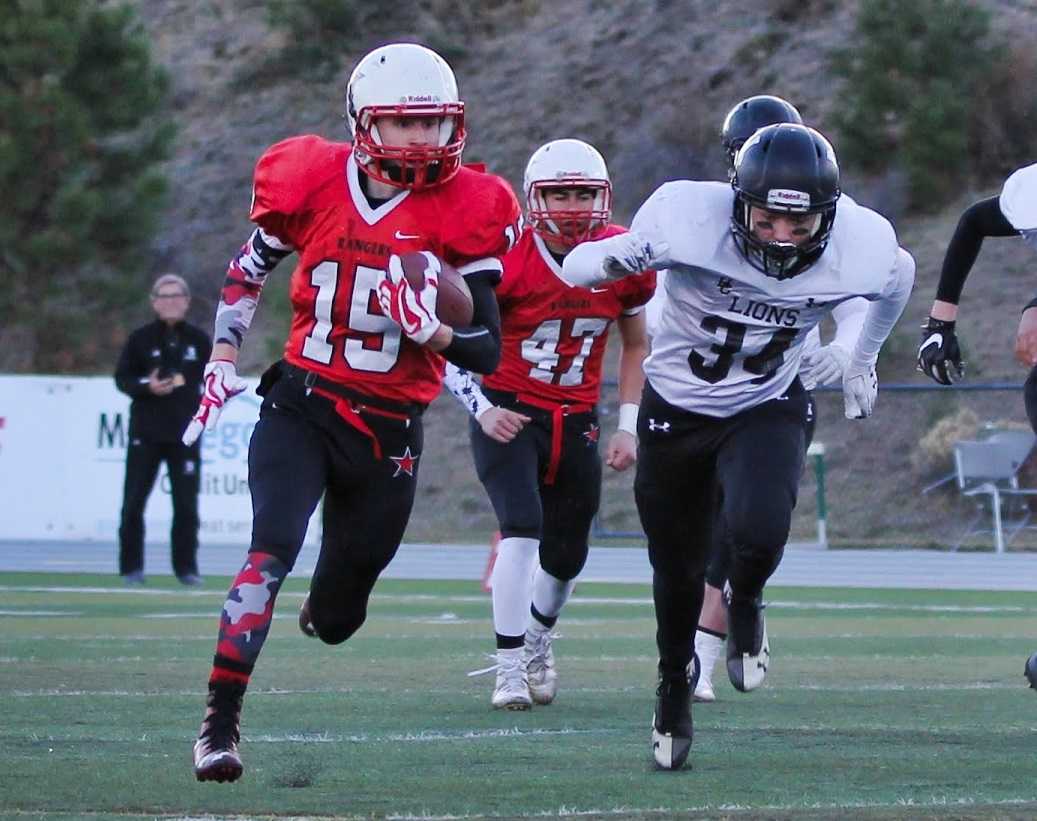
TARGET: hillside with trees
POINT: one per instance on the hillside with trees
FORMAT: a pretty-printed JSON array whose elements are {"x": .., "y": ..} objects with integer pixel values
[{"x": 128, "y": 140}]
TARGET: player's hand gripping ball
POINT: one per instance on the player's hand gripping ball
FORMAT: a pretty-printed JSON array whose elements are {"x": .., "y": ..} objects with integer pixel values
[{"x": 454, "y": 300}]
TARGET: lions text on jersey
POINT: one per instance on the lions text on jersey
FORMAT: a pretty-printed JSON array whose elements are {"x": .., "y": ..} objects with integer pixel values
[{"x": 727, "y": 337}]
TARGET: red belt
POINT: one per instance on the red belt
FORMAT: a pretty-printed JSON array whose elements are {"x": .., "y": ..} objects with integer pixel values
[
  {"x": 558, "y": 414},
  {"x": 350, "y": 410}
]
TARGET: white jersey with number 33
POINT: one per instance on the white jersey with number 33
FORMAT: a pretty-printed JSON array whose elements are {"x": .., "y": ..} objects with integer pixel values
[{"x": 728, "y": 337}]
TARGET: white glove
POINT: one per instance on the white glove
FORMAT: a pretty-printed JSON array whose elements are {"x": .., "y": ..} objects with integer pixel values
[
  {"x": 414, "y": 311},
  {"x": 826, "y": 365},
  {"x": 860, "y": 389},
  {"x": 632, "y": 253},
  {"x": 221, "y": 383}
]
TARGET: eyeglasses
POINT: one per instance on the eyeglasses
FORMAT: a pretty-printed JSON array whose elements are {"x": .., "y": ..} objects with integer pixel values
[{"x": 177, "y": 295}]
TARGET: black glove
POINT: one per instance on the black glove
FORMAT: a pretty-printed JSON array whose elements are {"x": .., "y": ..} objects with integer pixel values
[{"x": 939, "y": 356}]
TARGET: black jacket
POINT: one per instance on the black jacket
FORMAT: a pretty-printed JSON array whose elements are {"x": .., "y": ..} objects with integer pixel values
[{"x": 181, "y": 349}]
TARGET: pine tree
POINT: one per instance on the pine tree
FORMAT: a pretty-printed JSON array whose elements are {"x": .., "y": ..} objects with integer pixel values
[{"x": 82, "y": 134}]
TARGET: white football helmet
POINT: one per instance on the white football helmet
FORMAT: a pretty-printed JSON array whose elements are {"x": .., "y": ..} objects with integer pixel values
[
  {"x": 567, "y": 164},
  {"x": 405, "y": 80}
]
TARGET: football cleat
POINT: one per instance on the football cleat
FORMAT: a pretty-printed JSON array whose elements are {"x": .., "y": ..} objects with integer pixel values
[
  {"x": 511, "y": 691},
  {"x": 216, "y": 750},
  {"x": 748, "y": 653},
  {"x": 708, "y": 648},
  {"x": 1031, "y": 671},
  {"x": 701, "y": 686},
  {"x": 305, "y": 624},
  {"x": 671, "y": 724},
  {"x": 540, "y": 666}
]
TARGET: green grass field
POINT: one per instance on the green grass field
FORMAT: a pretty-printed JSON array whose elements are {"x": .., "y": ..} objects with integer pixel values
[{"x": 880, "y": 704}]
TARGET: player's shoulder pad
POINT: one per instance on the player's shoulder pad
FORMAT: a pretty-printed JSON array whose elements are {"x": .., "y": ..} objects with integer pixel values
[
  {"x": 684, "y": 203},
  {"x": 484, "y": 214},
  {"x": 865, "y": 245},
  {"x": 612, "y": 230},
  {"x": 1018, "y": 199},
  {"x": 290, "y": 172}
]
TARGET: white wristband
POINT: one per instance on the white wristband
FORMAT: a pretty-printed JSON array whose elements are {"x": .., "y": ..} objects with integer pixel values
[{"x": 628, "y": 418}]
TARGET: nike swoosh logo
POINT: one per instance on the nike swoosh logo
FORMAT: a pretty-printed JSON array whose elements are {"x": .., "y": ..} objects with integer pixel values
[
  {"x": 935, "y": 339},
  {"x": 599, "y": 290},
  {"x": 398, "y": 235}
]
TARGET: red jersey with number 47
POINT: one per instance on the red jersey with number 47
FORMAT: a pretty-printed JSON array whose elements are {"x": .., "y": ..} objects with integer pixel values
[
  {"x": 554, "y": 335},
  {"x": 307, "y": 194}
]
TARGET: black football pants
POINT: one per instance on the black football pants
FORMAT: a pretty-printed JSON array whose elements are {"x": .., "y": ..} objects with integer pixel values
[
  {"x": 559, "y": 514},
  {"x": 695, "y": 472},
  {"x": 1030, "y": 398},
  {"x": 142, "y": 463},
  {"x": 301, "y": 449},
  {"x": 720, "y": 555}
]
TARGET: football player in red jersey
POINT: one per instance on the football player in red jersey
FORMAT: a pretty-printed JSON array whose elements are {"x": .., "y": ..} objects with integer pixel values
[
  {"x": 341, "y": 415},
  {"x": 535, "y": 428}
]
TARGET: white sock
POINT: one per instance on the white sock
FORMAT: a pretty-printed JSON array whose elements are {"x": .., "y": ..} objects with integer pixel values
[
  {"x": 708, "y": 648},
  {"x": 512, "y": 582},
  {"x": 550, "y": 594}
]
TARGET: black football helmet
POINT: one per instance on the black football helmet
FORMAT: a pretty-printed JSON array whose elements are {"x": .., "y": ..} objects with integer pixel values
[
  {"x": 750, "y": 115},
  {"x": 791, "y": 169}
]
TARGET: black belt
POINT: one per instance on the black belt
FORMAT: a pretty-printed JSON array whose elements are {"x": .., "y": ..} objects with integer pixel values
[{"x": 311, "y": 379}]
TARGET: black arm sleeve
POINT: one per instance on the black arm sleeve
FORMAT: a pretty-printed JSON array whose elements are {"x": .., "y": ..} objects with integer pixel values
[
  {"x": 129, "y": 372},
  {"x": 477, "y": 347},
  {"x": 983, "y": 219}
]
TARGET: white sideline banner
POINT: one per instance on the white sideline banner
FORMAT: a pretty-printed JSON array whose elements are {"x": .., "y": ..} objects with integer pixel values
[{"x": 63, "y": 460}]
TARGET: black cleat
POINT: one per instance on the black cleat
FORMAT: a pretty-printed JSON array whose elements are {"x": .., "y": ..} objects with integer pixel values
[
  {"x": 216, "y": 750},
  {"x": 671, "y": 725},
  {"x": 1031, "y": 671},
  {"x": 748, "y": 652}
]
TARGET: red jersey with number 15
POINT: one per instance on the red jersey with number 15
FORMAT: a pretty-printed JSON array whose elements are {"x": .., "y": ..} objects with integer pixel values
[
  {"x": 554, "y": 335},
  {"x": 307, "y": 193}
]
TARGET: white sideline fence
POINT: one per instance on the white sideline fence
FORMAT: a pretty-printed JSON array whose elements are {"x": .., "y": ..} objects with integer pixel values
[{"x": 62, "y": 462}]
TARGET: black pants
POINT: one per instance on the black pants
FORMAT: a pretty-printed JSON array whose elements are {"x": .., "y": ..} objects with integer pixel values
[
  {"x": 558, "y": 514},
  {"x": 720, "y": 555},
  {"x": 1030, "y": 398},
  {"x": 184, "y": 465},
  {"x": 304, "y": 448},
  {"x": 695, "y": 472}
]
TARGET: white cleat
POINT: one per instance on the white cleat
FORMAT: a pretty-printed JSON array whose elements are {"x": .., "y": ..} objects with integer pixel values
[
  {"x": 671, "y": 724},
  {"x": 511, "y": 691},
  {"x": 704, "y": 691},
  {"x": 748, "y": 651},
  {"x": 708, "y": 648},
  {"x": 540, "y": 666}
]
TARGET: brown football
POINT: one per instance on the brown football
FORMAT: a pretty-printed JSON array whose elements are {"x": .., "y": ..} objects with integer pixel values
[{"x": 454, "y": 301}]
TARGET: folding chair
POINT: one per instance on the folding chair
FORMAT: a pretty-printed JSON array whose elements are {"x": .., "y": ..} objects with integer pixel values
[{"x": 990, "y": 468}]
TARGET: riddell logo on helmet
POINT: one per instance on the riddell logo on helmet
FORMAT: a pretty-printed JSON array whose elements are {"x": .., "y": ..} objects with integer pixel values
[
  {"x": 786, "y": 198},
  {"x": 420, "y": 98}
]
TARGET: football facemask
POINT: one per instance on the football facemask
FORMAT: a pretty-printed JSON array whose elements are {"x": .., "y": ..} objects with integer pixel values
[
  {"x": 405, "y": 80},
  {"x": 569, "y": 227}
]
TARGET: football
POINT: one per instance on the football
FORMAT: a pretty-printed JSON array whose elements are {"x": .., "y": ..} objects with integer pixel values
[{"x": 454, "y": 301}]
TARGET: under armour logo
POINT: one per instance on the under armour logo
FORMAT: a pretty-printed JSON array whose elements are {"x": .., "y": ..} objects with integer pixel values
[
  {"x": 663, "y": 426},
  {"x": 724, "y": 285}
]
